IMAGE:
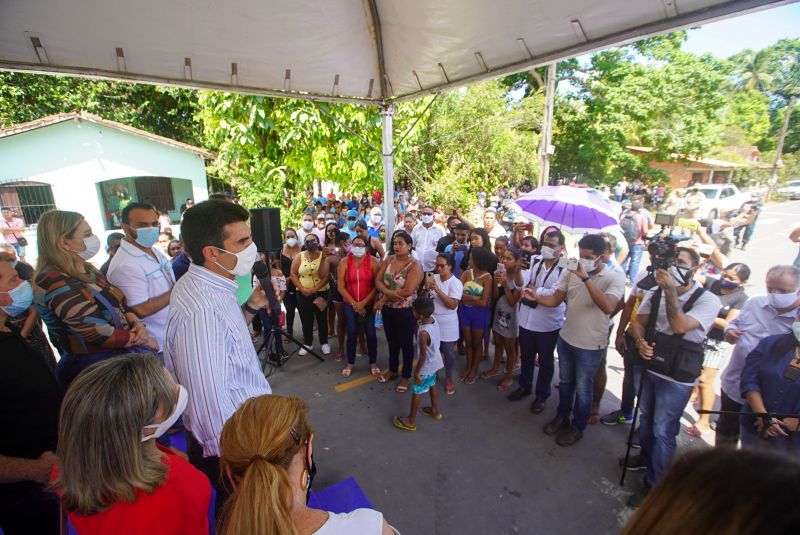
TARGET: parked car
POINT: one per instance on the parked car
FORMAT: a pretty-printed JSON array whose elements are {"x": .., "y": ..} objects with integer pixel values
[
  {"x": 791, "y": 189},
  {"x": 720, "y": 198}
]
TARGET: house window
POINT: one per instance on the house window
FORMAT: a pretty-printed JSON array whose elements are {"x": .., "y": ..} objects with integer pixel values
[
  {"x": 156, "y": 190},
  {"x": 28, "y": 200}
]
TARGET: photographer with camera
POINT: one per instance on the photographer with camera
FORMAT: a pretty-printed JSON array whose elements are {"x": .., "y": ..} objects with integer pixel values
[
  {"x": 593, "y": 292},
  {"x": 539, "y": 326},
  {"x": 672, "y": 349}
]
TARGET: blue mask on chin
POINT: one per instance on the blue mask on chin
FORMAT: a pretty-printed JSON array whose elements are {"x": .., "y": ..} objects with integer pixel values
[{"x": 21, "y": 299}]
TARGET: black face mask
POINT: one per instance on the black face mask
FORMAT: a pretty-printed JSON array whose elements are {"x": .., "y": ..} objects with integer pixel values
[{"x": 312, "y": 246}]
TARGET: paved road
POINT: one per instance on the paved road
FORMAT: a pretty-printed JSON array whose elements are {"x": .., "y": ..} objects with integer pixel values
[{"x": 487, "y": 467}]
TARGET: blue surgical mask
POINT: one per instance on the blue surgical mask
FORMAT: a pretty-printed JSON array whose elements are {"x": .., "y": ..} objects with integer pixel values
[
  {"x": 21, "y": 299},
  {"x": 147, "y": 236}
]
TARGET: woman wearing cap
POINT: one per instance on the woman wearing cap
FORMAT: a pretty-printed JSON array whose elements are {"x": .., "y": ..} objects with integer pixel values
[
  {"x": 86, "y": 316},
  {"x": 112, "y": 476}
]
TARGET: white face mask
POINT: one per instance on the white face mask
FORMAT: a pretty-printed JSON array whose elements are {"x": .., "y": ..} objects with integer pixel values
[
  {"x": 679, "y": 273},
  {"x": 308, "y": 225},
  {"x": 92, "y": 244},
  {"x": 375, "y": 219},
  {"x": 588, "y": 265},
  {"x": 291, "y": 242},
  {"x": 427, "y": 219},
  {"x": 796, "y": 330},
  {"x": 548, "y": 253},
  {"x": 163, "y": 427},
  {"x": 244, "y": 260},
  {"x": 781, "y": 300},
  {"x": 358, "y": 251}
]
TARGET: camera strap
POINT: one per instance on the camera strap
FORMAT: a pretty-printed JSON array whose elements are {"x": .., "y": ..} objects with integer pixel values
[
  {"x": 539, "y": 260},
  {"x": 687, "y": 306}
]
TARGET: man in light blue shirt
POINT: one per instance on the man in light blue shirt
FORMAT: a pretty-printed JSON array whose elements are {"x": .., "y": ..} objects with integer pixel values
[{"x": 207, "y": 344}]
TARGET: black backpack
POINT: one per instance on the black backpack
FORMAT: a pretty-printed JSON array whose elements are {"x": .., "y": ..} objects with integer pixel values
[{"x": 630, "y": 227}]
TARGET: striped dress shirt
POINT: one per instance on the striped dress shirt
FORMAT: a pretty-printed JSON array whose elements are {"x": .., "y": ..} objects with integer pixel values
[{"x": 209, "y": 351}]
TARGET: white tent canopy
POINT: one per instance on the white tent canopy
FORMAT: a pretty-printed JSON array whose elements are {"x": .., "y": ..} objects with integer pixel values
[{"x": 367, "y": 51}]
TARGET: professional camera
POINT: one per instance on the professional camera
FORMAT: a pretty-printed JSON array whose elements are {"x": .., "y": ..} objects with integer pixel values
[{"x": 663, "y": 250}]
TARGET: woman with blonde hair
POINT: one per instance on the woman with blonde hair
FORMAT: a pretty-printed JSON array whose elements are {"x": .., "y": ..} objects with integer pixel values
[
  {"x": 267, "y": 455},
  {"x": 112, "y": 477},
  {"x": 86, "y": 315}
]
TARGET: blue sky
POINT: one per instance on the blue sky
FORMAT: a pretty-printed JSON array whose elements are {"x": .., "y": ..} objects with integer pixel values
[{"x": 755, "y": 31}]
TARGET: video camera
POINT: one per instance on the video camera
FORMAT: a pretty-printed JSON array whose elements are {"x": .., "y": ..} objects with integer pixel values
[{"x": 663, "y": 249}]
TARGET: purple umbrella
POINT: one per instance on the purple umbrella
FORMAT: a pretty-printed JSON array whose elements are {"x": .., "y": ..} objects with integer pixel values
[{"x": 574, "y": 210}]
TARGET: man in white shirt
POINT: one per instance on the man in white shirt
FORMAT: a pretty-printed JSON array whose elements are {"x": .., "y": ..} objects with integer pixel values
[
  {"x": 761, "y": 316},
  {"x": 593, "y": 292},
  {"x": 425, "y": 236},
  {"x": 207, "y": 346},
  {"x": 539, "y": 325},
  {"x": 141, "y": 271},
  {"x": 684, "y": 316}
]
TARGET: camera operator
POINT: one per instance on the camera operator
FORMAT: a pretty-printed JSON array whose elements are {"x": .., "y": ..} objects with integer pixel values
[
  {"x": 684, "y": 316},
  {"x": 593, "y": 292}
]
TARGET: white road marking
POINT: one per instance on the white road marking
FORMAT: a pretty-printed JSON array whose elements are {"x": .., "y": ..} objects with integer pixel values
[{"x": 769, "y": 221}]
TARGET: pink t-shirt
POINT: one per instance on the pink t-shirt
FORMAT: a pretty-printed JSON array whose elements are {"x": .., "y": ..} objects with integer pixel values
[{"x": 11, "y": 236}]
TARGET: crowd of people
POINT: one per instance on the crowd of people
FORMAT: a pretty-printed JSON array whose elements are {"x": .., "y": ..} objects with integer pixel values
[{"x": 162, "y": 335}]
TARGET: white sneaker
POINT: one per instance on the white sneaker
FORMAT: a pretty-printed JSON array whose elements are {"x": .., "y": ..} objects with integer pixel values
[
  {"x": 303, "y": 351},
  {"x": 326, "y": 349}
]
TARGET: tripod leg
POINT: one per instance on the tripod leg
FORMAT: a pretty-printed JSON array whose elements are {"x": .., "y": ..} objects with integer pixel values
[{"x": 633, "y": 429}]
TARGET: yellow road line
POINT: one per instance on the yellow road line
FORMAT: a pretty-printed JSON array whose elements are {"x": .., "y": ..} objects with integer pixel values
[{"x": 343, "y": 387}]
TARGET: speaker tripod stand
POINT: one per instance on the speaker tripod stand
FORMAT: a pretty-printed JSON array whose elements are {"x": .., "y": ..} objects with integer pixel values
[{"x": 276, "y": 358}]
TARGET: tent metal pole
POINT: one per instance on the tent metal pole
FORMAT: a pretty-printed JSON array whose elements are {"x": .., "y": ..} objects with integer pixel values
[{"x": 387, "y": 113}]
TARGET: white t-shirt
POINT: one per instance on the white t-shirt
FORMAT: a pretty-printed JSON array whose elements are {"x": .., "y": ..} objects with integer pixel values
[
  {"x": 447, "y": 318},
  {"x": 361, "y": 521},
  {"x": 704, "y": 310},
  {"x": 142, "y": 277},
  {"x": 540, "y": 319}
]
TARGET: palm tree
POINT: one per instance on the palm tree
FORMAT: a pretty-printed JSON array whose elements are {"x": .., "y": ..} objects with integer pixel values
[
  {"x": 752, "y": 72},
  {"x": 787, "y": 87}
]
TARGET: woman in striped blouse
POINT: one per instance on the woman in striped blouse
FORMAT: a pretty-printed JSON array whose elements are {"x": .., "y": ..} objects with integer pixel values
[{"x": 86, "y": 316}]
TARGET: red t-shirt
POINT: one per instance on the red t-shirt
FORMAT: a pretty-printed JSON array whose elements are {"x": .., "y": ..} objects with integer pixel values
[{"x": 180, "y": 505}]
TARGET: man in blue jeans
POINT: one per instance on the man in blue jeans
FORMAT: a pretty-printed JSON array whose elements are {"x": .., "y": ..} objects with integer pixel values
[
  {"x": 593, "y": 292},
  {"x": 539, "y": 326},
  {"x": 664, "y": 397},
  {"x": 642, "y": 221}
]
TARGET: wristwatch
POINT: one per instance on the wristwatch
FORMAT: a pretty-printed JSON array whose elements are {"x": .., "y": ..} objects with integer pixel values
[{"x": 584, "y": 279}]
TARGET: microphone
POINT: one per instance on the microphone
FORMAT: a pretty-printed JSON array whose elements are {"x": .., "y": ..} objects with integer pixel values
[{"x": 261, "y": 271}]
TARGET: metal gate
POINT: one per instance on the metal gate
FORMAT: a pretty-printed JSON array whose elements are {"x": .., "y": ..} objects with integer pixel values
[{"x": 27, "y": 199}]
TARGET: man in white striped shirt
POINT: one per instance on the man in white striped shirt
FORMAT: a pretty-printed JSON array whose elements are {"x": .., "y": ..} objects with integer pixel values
[{"x": 207, "y": 342}]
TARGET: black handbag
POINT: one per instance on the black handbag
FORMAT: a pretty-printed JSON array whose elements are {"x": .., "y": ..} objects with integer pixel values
[
  {"x": 22, "y": 241},
  {"x": 675, "y": 357}
]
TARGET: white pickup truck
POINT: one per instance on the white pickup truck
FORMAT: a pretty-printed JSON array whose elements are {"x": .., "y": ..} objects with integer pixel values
[{"x": 720, "y": 198}]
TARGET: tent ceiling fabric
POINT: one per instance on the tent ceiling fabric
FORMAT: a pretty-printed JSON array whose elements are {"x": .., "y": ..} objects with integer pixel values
[{"x": 328, "y": 49}]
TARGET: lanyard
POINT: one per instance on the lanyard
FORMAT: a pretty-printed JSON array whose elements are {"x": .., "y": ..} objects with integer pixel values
[{"x": 547, "y": 275}]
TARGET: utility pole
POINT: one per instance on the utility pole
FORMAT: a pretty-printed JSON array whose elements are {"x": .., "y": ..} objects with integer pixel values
[{"x": 545, "y": 145}]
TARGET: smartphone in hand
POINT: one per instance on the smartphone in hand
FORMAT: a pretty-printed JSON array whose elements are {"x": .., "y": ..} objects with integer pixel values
[{"x": 568, "y": 263}]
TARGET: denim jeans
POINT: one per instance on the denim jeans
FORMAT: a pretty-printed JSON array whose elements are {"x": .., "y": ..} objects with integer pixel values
[
  {"x": 631, "y": 264},
  {"x": 576, "y": 369},
  {"x": 352, "y": 323},
  {"x": 662, "y": 405},
  {"x": 532, "y": 343}
]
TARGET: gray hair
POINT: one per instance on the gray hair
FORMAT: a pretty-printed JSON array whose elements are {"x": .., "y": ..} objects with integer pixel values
[
  {"x": 102, "y": 457},
  {"x": 785, "y": 271}
]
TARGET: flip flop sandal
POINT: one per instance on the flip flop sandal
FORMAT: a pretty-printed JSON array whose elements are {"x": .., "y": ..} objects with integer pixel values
[
  {"x": 376, "y": 371},
  {"x": 339, "y": 356},
  {"x": 504, "y": 388},
  {"x": 400, "y": 425},
  {"x": 488, "y": 374},
  {"x": 428, "y": 411},
  {"x": 346, "y": 372},
  {"x": 382, "y": 378},
  {"x": 450, "y": 390},
  {"x": 471, "y": 381},
  {"x": 400, "y": 389}
]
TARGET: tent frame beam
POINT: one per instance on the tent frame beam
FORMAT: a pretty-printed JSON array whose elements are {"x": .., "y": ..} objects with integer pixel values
[{"x": 717, "y": 12}]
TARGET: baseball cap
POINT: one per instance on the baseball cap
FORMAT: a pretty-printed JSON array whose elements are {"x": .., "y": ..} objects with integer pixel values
[{"x": 352, "y": 213}]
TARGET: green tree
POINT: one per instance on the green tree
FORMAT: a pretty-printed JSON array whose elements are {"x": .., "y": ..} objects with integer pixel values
[
  {"x": 649, "y": 94},
  {"x": 475, "y": 139},
  {"x": 752, "y": 70},
  {"x": 274, "y": 150},
  {"x": 162, "y": 110}
]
